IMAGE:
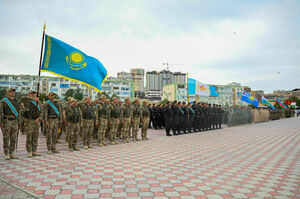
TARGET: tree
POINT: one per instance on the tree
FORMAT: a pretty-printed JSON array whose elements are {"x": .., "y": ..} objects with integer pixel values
[
  {"x": 69, "y": 93},
  {"x": 295, "y": 99},
  {"x": 78, "y": 94},
  {"x": 165, "y": 101}
]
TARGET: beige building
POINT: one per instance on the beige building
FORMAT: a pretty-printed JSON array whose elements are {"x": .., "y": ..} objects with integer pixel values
[{"x": 138, "y": 78}]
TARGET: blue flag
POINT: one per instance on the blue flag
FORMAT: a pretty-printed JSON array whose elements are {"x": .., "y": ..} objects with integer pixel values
[
  {"x": 266, "y": 101},
  {"x": 66, "y": 61},
  {"x": 246, "y": 97}
]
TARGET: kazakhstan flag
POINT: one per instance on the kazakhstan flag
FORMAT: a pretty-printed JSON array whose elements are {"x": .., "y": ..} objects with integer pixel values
[{"x": 66, "y": 61}]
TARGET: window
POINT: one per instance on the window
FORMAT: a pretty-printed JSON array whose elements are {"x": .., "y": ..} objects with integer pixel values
[{"x": 116, "y": 88}]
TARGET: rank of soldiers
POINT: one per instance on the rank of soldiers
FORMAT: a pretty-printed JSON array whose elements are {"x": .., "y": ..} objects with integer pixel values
[
  {"x": 182, "y": 118},
  {"x": 104, "y": 120}
]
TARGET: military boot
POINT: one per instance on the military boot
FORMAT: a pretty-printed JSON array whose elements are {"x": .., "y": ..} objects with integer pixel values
[
  {"x": 29, "y": 154},
  {"x": 55, "y": 151},
  {"x": 36, "y": 154},
  {"x": 85, "y": 147},
  {"x": 49, "y": 152},
  {"x": 12, "y": 156},
  {"x": 7, "y": 157}
]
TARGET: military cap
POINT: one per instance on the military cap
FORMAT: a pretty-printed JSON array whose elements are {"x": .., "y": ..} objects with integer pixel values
[
  {"x": 145, "y": 101},
  {"x": 31, "y": 92},
  {"x": 113, "y": 98},
  {"x": 52, "y": 93},
  {"x": 11, "y": 89},
  {"x": 126, "y": 99},
  {"x": 102, "y": 97},
  {"x": 136, "y": 99},
  {"x": 70, "y": 99}
]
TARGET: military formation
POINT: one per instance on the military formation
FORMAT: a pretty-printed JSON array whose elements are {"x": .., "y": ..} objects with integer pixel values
[
  {"x": 110, "y": 121},
  {"x": 182, "y": 118},
  {"x": 103, "y": 120}
]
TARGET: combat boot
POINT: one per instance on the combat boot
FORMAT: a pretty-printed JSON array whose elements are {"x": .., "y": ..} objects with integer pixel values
[
  {"x": 100, "y": 144},
  {"x": 76, "y": 149},
  {"x": 127, "y": 140},
  {"x": 55, "y": 151},
  {"x": 104, "y": 144},
  {"x": 89, "y": 146},
  {"x": 7, "y": 157},
  {"x": 49, "y": 152},
  {"x": 112, "y": 143},
  {"x": 29, "y": 154},
  {"x": 85, "y": 147},
  {"x": 116, "y": 142},
  {"x": 71, "y": 149},
  {"x": 36, "y": 154},
  {"x": 12, "y": 156},
  {"x": 148, "y": 138}
]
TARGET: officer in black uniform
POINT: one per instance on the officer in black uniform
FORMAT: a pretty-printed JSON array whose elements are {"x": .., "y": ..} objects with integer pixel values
[
  {"x": 175, "y": 117},
  {"x": 168, "y": 113}
]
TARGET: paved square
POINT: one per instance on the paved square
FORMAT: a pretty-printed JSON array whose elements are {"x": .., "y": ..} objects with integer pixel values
[{"x": 251, "y": 161}]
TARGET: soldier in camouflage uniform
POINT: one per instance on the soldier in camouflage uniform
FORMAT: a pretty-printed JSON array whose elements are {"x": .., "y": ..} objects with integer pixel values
[
  {"x": 102, "y": 117},
  {"x": 115, "y": 114},
  {"x": 120, "y": 126},
  {"x": 137, "y": 114},
  {"x": 126, "y": 115},
  {"x": 52, "y": 119},
  {"x": 145, "y": 120},
  {"x": 73, "y": 119},
  {"x": 32, "y": 116},
  {"x": 88, "y": 116},
  {"x": 9, "y": 117}
]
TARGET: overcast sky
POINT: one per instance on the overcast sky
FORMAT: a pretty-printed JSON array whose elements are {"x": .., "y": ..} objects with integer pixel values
[{"x": 254, "y": 42}]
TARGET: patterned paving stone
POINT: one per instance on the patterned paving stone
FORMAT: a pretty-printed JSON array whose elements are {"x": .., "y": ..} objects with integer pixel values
[{"x": 251, "y": 161}]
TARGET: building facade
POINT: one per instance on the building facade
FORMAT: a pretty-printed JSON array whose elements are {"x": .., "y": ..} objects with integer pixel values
[
  {"x": 138, "y": 78},
  {"x": 24, "y": 83}
]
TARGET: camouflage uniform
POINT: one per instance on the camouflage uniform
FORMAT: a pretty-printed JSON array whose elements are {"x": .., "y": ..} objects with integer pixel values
[
  {"x": 52, "y": 122},
  {"x": 102, "y": 117},
  {"x": 88, "y": 115},
  {"x": 9, "y": 122},
  {"x": 73, "y": 117},
  {"x": 126, "y": 115},
  {"x": 136, "y": 119},
  {"x": 145, "y": 121},
  {"x": 32, "y": 116},
  {"x": 115, "y": 113}
]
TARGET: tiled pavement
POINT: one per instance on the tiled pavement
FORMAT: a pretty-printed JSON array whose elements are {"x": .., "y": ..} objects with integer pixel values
[{"x": 250, "y": 161}]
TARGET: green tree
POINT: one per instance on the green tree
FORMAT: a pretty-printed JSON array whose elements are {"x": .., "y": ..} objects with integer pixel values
[
  {"x": 165, "y": 101},
  {"x": 295, "y": 99},
  {"x": 69, "y": 93},
  {"x": 78, "y": 94}
]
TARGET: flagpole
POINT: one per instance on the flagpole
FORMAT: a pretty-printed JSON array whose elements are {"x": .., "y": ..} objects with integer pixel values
[{"x": 42, "y": 47}]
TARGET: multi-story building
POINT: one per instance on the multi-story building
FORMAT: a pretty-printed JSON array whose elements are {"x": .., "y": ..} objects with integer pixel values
[
  {"x": 125, "y": 76},
  {"x": 138, "y": 78},
  {"x": 155, "y": 81},
  {"x": 24, "y": 83},
  {"x": 257, "y": 94},
  {"x": 119, "y": 87},
  {"x": 179, "y": 78}
]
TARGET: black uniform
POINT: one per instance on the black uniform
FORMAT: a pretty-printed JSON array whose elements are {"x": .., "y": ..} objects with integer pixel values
[{"x": 168, "y": 113}]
